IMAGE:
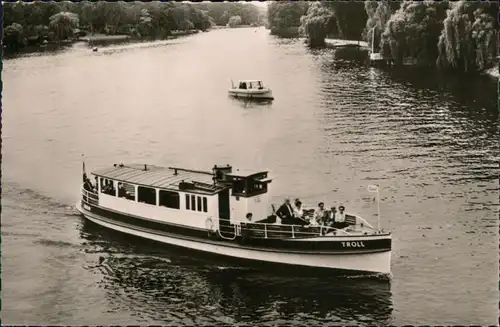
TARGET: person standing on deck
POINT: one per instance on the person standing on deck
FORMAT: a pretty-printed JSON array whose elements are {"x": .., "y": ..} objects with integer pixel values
[{"x": 285, "y": 212}]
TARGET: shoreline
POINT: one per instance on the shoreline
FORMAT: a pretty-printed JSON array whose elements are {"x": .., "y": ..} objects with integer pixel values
[{"x": 90, "y": 40}]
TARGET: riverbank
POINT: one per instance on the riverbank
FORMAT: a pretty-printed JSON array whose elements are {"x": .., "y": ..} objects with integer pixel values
[
  {"x": 114, "y": 38},
  {"x": 96, "y": 39},
  {"x": 334, "y": 43}
]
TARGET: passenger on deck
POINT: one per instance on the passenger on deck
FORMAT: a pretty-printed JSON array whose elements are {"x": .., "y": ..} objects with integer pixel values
[
  {"x": 320, "y": 215},
  {"x": 330, "y": 218},
  {"x": 298, "y": 212},
  {"x": 285, "y": 212},
  {"x": 249, "y": 216},
  {"x": 299, "y": 217},
  {"x": 88, "y": 185},
  {"x": 121, "y": 191},
  {"x": 340, "y": 218}
]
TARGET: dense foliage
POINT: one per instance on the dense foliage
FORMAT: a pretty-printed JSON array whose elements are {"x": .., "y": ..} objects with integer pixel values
[
  {"x": 221, "y": 12},
  {"x": 413, "y": 31},
  {"x": 468, "y": 40},
  {"x": 285, "y": 16},
  {"x": 38, "y": 21},
  {"x": 315, "y": 23},
  {"x": 453, "y": 35},
  {"x": 458, "y": 35}
]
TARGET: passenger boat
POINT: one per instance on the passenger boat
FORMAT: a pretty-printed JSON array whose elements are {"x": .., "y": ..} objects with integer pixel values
[
  {"x": 251, "y": 89},
  {"x": 207, "y": 211}
]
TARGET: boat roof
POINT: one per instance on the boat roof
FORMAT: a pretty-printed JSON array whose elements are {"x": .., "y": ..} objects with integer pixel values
[
  {"x": 245, "y": 173},
  {"x": 160, "y": 177}
]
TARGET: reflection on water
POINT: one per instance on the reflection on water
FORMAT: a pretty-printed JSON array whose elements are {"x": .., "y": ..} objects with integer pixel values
[
  {"x": 166, "y": 287},
  {"x": 251, "y": 104}
]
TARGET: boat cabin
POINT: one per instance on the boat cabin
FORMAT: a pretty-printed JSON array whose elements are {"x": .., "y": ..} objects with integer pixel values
[
  {"x": 183, "y": 196},
  {"x": 250, "y": 85}
]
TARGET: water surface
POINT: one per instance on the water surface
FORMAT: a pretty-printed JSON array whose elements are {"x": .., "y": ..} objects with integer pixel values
[{"x": 430, "y": 142}]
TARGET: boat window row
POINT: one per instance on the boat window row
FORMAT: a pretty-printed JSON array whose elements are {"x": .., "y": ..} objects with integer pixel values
[
  {"x": 147, "y": 195},
  {"x": 196, "y": 203}
]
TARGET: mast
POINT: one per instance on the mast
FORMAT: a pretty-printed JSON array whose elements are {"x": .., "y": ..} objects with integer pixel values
[{"x": 374, "y": 189}]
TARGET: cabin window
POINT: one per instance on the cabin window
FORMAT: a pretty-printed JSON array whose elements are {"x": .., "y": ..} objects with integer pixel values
[
  {"x": 188, "y": 207},
  {"x": 108, "y": 187},
  {"x": 205, "y": 206},
  {"x": 146, "y": 195},
  {"x": 199, "y": 203},
  {"x": 193, "y": 202},
  {"x": 170, "y": 199},
  {"x": 126, "y": 191}
]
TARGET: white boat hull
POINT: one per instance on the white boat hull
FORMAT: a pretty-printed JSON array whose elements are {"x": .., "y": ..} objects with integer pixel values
[
  {"x": 251, "y": 94},
  {"x": 376, "y": 262}
]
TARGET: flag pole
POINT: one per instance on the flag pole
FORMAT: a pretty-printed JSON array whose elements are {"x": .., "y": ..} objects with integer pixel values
[
  {"x": 378, "y": 208},
  {"x": 375, "y": 189}
]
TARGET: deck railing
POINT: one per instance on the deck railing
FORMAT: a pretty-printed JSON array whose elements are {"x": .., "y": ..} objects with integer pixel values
[
  {"x": 275, "y": 231},
  {"x": 90, "y": 197}
]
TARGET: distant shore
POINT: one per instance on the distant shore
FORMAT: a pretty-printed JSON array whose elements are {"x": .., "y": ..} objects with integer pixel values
[{"x": 97, "y": 37}]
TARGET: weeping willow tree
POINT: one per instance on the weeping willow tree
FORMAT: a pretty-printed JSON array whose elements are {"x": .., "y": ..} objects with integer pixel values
[
  {"x": 379, "y": 13},
  {"x": 314, "y": 25},
  {"x": 63, "y": 24},
  {"x": 413, "y": 32},
  {"x": 468, "y": 39}
]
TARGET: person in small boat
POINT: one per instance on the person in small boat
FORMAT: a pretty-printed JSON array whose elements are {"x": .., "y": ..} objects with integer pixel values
[
  {"x": 243, "y": 85},
  {"x": 285, "y": 212},
  {"x": 260, "y": 87},
  {"x": 340, "y": 218}
]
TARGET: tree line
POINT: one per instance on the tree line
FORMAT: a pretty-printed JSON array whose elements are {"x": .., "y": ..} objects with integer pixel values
[
  {"x": 459, "y": 35},
  {"x": 31, "y": 23}
]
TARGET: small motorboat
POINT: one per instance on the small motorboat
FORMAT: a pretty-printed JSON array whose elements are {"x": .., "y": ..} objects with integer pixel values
[{"x": 251, "y": 89}]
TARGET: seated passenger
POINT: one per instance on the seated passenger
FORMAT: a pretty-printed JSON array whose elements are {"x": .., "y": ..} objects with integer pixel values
[
  {"x": 320, "y": 215},
  {"x": 298, "y": 213},
  {"x": 340, "y": 219}
]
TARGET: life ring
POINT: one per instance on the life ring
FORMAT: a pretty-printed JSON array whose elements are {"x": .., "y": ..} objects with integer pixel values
[{"x": 209, "y": 224}]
